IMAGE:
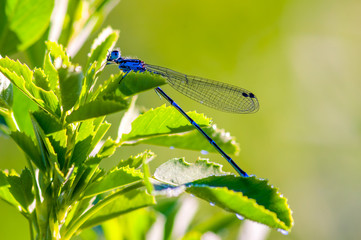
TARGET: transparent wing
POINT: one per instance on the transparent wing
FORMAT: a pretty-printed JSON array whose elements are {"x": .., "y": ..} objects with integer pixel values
[{"x": 214, "y": 94}]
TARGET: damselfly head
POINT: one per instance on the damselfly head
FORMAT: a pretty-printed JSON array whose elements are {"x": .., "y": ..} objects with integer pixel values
[{"x": 113, "y": 56}]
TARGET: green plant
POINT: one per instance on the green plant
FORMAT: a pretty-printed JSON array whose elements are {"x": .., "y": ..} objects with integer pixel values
[{"x": 56, "y": 114}]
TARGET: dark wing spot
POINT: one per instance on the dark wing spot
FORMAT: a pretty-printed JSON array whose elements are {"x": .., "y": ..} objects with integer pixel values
[{"x": 244, "y": 94}]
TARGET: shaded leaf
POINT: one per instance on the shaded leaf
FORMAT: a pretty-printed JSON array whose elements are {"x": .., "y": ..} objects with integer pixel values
[
  {"x": 123, "y": 203},
  {"x": 118, "y": 177},
  {"x": 48, "y": 123},
  {"x": 5, "y": 192},
  {"x": 29, "y": 147},
  {"x": 70, "y": 82},
  {"x": 95, "y": 109},
  {"x": 21, "y": 189}
]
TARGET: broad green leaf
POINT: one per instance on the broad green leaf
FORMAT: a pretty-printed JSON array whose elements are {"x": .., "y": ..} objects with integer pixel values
[
  {"x": 22, "y": 77},
  {"x": 194, "y": 140},
  {"x": 119, "y": 205},
  {"x": 161, "y": 121},
  {"x": 95, "y": 109},
  {"x": 177, "y": 171},
  {"x": 70, "y": 82},
  {"x": 138, "y": 160},
  {"x": 21, "y": 189},
  {"x": 24, "y": 22},
  {"x": 117, "y": 178},
  {"x": 48, "y": 123},
  {"x": 5, "y": 192},
  {"x": 29, "y": 147},
  {"x": 118, "y": 87},
  {"x": 249, "y": 197}
]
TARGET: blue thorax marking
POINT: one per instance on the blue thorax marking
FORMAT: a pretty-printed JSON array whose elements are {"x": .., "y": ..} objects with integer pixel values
[{"x": 126, "y": 65}]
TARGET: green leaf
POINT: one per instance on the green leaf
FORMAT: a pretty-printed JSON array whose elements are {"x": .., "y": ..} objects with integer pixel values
[
  {"x": 21, "y": 189},
  {"x": 5, "y": 192},
  {"x": 70, "y": 82},
  {"x": 100, "y": 47},
  {"x": 48, "y": 123},
  {"x": 57, "y": 52},
  {"x": 138, "y": 160},
  {"x": 89, "y": 134},
  {"x": 6, "y": 92},
  {"x": 117, "y": 178},
  {"x": 194, "y": 140},
  {"x": 95, "y": 109},
  {"x": 59, "y": 142},
  {"x": 249, "y": 197},
  {"x": 177, "y": 171},
  {"x": 29, "y": 147},
  {"x": 118, "y": 87},
  {"x": 22, "y": 77},
  {"x": 161, "y": 121},
  {"x": 24, "y": 22},
  {"x": 123, "y": 203}
]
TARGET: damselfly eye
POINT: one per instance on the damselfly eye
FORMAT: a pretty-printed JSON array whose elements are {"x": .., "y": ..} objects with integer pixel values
[{"x": 114, "y": 55}]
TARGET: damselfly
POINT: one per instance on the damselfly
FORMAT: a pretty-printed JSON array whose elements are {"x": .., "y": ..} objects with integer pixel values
[{"x": 218, "y": 95}]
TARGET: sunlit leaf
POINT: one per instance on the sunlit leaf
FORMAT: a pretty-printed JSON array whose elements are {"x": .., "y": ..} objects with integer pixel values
[
  {"x": 177, "y": 171},
  {"x": 249, "y": 197},
  {"x": 138, "y": 160},
  {"x": 194, "y": 140},
  {"x": 161, "y": 121}
]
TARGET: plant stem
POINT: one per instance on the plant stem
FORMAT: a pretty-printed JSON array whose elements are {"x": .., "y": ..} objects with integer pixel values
[{"x": 31, "y": 229}]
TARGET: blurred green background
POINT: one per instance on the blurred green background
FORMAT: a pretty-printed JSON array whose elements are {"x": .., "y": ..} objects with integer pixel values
[{"x": 302, "y": 60}]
